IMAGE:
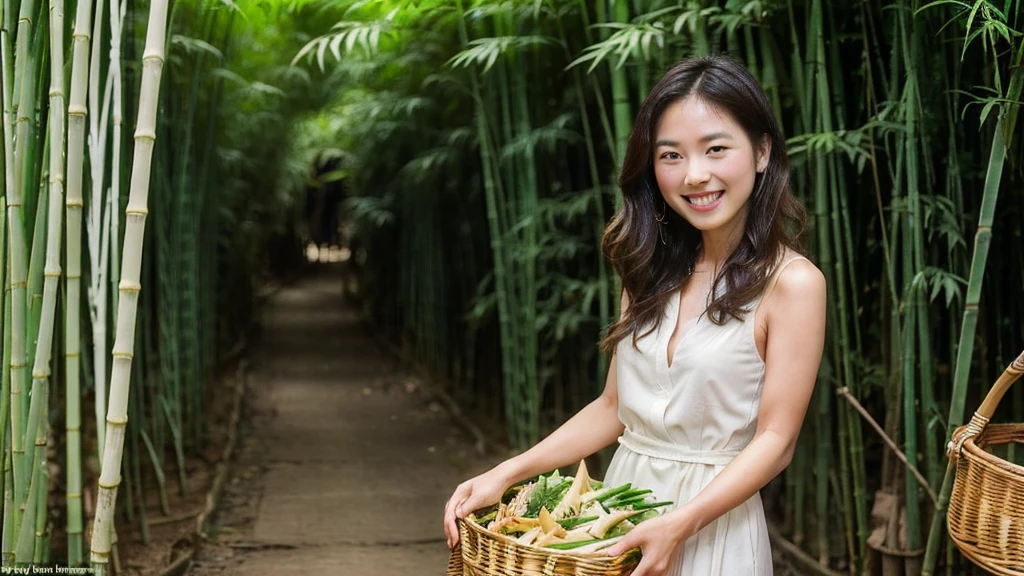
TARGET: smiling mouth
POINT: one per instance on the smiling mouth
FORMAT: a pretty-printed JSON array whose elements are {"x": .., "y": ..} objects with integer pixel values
[{"x": 704, "y": 199}]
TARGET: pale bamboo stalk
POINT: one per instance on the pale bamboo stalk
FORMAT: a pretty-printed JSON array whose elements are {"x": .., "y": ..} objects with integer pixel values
[
  {"x": 116, "y": 28},
  {"x": 97, "y": 289},
  {"x": 37, "y": 418},
  {"x": 130, "y": 285},
  {"x": 77, "y": 113}
]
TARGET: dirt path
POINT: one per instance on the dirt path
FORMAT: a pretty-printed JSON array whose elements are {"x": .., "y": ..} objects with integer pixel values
[{"x": 344, "y": 461}]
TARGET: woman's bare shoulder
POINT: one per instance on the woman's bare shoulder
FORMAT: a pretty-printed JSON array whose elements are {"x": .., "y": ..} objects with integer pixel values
[{"x": 800, "y": 282}]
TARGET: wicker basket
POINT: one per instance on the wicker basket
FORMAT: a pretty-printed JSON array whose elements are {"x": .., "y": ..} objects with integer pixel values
[
  {"x": 481, "y": 552},
  {"x": 986, "y": 508}
]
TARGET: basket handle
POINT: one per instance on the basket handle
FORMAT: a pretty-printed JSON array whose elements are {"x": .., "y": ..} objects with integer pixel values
[
  {"x": 989, "y": 405},
  {"x": 1009, "y": 376}
]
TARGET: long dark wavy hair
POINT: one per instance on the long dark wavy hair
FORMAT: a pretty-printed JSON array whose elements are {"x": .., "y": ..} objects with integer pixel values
[{"x": 652, "y": 272}]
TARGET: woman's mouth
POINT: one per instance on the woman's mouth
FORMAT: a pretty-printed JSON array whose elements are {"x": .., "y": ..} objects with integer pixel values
[{"x": 705, "y": 202}]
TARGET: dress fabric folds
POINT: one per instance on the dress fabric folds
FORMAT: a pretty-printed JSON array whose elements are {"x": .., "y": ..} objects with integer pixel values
[{"x": 685, "y": 422}]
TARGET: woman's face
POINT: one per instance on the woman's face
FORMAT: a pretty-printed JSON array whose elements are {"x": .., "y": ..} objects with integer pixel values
[{"x": 705, "y": 165}]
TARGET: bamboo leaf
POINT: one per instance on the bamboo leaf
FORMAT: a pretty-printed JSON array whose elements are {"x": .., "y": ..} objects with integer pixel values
[
  {"x": 624, "y": 42},
  {"x": 194, "y": 46}
]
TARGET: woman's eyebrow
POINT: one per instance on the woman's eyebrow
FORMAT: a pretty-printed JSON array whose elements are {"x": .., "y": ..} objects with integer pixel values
[
  {"x": 715, "y": 136},
  {"x": 703, "y": 139}
]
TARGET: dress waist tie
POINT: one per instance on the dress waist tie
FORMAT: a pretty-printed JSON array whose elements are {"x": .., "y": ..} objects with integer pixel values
[{"x": 667, "y": 451}]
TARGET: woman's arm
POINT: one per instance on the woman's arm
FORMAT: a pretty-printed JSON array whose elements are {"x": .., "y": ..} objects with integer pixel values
[
  {"x": 595, "y": 426},
  {"x": 796, "y": 337}
]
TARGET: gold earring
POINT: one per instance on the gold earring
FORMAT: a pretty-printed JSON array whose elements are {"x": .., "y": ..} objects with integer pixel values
[{"x": 663, "y": 218}]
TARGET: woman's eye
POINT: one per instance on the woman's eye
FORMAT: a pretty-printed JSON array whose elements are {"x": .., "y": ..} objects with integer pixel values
[
  {"x": 671, "y": 156},
  {"x": 716, "y": 149}
]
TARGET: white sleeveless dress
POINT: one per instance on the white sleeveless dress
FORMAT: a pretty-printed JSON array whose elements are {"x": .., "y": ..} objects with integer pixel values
[{"x": 686, "y": 422}]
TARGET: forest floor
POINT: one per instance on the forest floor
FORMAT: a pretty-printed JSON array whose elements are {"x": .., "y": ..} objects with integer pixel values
[{"x": 344, "y": 457}]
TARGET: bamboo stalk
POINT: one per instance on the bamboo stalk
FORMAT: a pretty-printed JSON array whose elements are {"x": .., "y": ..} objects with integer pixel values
[
  {"x": 124, "y": 344},
  {"x": 17, "y": 254},
  {"x": 37, "y": 421},
  {"x": 77, "y": 112},
  {"x": 620, "y": 95},
  {"x": 97, "y": 237},
  {"x": 982, "y": 240}
]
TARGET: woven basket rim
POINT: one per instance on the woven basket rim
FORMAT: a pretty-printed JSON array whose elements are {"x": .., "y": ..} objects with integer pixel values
[
  {"x": 974, "y": 451},
  {"x": 568, "y": 554}
]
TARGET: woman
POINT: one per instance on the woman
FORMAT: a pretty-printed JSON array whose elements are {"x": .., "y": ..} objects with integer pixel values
[{"x": 721, "y": 334}]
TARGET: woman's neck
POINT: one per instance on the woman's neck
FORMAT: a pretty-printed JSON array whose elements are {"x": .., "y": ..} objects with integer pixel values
[{"x": 716, "y": 246}]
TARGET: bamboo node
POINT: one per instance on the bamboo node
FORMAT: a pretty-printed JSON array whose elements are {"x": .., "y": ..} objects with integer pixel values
[
  {"x": 42, "y": 375},
  {"x": 73, "y": 355},
  {"x": 136, "y": 212},
  {"x": 52, "y": 273},
  {"x": 129, "y": 286},
  {"x": 77, "y": 110},
  {"x": 110, "y": 486},
  {"x": 124, "y": 355},
  {"x": 73, "y": 494},
  {"x": 145, "y": 135},
  {"x": 76, "y": 203}
]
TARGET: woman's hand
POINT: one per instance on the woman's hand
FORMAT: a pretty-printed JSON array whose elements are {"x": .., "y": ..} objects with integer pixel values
[
  {"x": 657, "y": 538},
  {"x": 471, "y": 495}
]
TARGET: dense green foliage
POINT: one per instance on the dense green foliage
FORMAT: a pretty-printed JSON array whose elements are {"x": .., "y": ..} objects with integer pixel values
[
  {"x": 480, "y": 142},
  {"x": 222, "y": 192},
  {"x": 483, "y": 140}
]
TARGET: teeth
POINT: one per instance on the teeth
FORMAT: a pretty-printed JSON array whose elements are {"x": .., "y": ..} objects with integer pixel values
[{"x": 705, "y": 200}]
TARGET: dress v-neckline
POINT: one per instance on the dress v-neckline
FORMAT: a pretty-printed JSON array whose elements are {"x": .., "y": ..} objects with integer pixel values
[{"x": 670, "y": 353}]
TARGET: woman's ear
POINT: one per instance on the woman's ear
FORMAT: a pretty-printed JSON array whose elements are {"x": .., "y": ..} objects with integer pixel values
[{"x": 764, "y": 152}]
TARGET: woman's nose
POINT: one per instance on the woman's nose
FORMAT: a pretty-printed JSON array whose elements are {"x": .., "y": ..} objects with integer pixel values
[{"x": 696, "y": 174}]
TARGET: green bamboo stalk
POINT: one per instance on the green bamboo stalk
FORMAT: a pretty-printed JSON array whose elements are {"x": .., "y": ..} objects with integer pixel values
[
  {"x": 528, "y": 277},
  {"x": 38, "y": 407},
  {"x": 595, "y": 82},
  {"x": 826, "y": 199},
  {"x": 490, "y": 194},
  {"x": 77, "y": 112},
  {"x": 17, "y": 360},
  {"x": 41, "y": 546},
  {"x": 605, "y": 296},
  {"x": 620, "y": 95},
  {"x": 913, "y": 264},
  {"x": 7, "y": 535},
  {"x": 982, "y": 240},
  {"x": 124, "y": 344}
]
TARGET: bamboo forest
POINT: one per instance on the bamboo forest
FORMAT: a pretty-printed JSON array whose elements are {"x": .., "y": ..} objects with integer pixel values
[{"x": 169, "y": 164}]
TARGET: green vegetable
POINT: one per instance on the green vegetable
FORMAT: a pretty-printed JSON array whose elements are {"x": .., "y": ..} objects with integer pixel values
[
  {"x": 570, "y": 523},
  {"x": 571, "y": 545}
]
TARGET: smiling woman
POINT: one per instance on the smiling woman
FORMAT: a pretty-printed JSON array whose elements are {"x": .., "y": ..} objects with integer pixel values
[{"x": 703, "y": 244}]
